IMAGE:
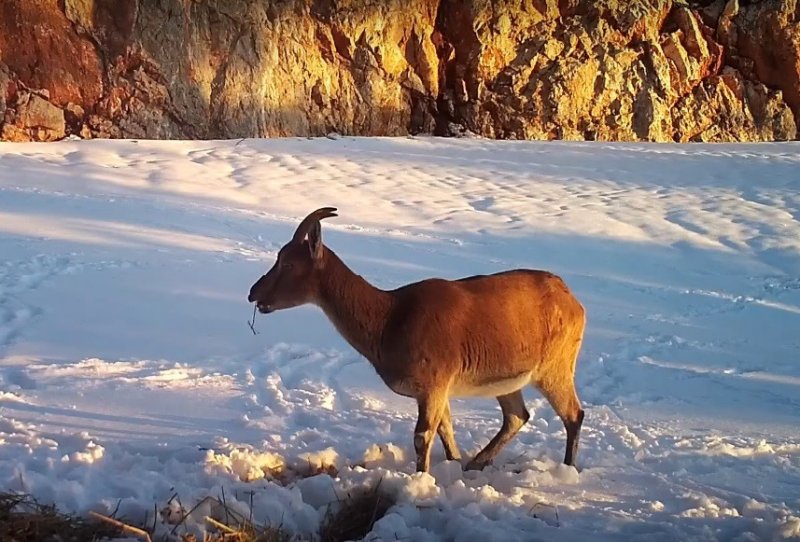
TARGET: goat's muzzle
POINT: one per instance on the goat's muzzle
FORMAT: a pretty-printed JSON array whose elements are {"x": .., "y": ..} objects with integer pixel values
[
  {"x": 252, "y": 296},
  {"x": 263, "y": 308}
]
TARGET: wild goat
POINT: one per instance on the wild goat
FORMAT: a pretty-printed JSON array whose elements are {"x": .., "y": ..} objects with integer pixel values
[{"x": 481, "y": 336}]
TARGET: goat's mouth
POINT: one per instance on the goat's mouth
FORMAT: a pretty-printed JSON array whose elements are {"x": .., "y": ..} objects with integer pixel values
[{"x": 264, "y": 308}]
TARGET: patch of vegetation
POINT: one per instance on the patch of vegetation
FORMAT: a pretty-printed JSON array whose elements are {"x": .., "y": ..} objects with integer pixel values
[
  {"x": 24, "y": 519},
  {"x": 227, "y": 525},
  {"x": 353, "y": 517}
]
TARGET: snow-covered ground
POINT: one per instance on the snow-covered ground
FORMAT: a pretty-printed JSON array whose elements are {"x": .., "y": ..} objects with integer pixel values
[{"x": 128, "y": 372}]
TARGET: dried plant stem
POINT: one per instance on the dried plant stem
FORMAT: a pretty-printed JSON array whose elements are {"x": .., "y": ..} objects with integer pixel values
[
  {"x": 219, "y": 525},
  {"x": 253, "y": 323},
  {"x": 123, "y": 526}
]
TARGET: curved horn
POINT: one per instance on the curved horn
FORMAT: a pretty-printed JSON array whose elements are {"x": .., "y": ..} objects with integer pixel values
[{"x": 309, "y": 221}]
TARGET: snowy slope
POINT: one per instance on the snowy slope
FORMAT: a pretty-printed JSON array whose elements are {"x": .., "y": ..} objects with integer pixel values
[{"x": 128, "y": 372}]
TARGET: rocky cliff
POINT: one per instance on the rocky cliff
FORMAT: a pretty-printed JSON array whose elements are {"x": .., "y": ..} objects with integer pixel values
[{"x": 649, "y": 70}]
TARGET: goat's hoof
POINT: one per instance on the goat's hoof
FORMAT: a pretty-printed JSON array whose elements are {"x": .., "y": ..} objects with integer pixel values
[{"x": 475, "y": 465}]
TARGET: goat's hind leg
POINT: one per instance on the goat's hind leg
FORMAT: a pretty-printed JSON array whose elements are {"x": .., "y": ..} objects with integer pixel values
[
  {"x": 565, "y": 402},
  {"x": 573, "y": 435},
  {"x": 515, "y": 415}
]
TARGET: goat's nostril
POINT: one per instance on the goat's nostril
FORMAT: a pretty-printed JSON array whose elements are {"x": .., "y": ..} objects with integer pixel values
[{"x": 251, "y": 297}]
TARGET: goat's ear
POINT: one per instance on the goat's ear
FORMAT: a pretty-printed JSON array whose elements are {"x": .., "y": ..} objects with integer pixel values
[{"x": 315, "y": 241}]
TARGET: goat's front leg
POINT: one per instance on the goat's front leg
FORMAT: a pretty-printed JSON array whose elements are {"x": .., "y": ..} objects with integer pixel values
[
  {"x": 431, "y": 410},
  {"x": 446, "y": 435}
]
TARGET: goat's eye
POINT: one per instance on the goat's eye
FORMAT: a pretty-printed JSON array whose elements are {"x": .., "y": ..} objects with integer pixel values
[{"x": 287, "y": 265}]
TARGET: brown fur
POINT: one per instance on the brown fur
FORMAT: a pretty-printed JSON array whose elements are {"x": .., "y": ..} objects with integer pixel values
[{"x": 437, "y": 338}]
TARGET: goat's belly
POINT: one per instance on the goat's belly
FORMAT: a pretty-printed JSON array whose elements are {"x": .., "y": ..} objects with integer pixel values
[
  {"x": 492, "y": 388},
  {"x": 402, "y": 387}
]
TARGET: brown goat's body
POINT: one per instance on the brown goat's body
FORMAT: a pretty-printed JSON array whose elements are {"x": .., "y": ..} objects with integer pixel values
[{"x": 481, "y": 336}]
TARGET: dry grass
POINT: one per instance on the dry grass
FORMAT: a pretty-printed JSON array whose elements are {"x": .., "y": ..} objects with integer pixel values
[
  {"x": 23, "y": 519},
  {"x": 228, "y": 525},
  {"x": 240, "y": 533},
  {"x": 355, "y": 515}
]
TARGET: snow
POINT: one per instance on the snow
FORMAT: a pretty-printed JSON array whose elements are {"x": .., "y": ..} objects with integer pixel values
[{"x": 128, "y": 373}]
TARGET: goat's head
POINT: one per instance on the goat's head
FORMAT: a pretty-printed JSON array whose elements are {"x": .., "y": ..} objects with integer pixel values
[{"x": 294, "y": 278}]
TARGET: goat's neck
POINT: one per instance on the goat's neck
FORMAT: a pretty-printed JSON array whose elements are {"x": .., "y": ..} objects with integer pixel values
[{"x": 358, "y": 309}]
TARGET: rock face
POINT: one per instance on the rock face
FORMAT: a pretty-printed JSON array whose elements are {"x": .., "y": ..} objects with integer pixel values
[{"x": 643, "y": 70}]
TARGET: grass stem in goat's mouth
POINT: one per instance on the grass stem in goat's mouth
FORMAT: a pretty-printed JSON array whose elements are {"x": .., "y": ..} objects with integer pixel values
[{"x": 253, "y": 323}]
